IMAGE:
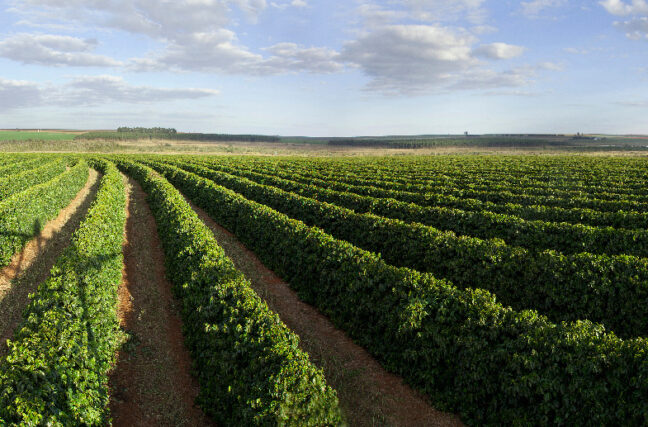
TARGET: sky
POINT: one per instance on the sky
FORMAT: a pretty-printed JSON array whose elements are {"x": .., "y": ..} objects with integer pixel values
[{"x": 326, "y": 68}]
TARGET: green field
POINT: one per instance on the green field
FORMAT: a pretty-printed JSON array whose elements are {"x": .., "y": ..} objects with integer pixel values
[
  {"x": 505, "y": 289},
  {"x": 9, "y": 135}
]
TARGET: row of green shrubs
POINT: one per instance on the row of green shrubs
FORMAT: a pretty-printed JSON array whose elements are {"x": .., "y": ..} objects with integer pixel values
[
  {"x": 612, "y": 290},
  {"x": 19, "y": 164},
  {"x": 20, "y": 181},
  {"x": 533, "y": 235},
  {"x": 55, "y": 372},
  {"x": 478, "y": 180},
  {"x": 249, "y": 366},
  {"x": 23, "y": 214},
  {"x": 473, "y": 213},
  {"x": 470, "y": 354},
  {"x": 470, "y": 199}
]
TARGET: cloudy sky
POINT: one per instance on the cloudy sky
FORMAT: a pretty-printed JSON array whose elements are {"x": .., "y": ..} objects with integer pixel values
[{"x": 334, "y": 67}]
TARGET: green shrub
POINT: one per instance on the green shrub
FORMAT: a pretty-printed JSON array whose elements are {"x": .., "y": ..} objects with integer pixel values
[{"x": 250, "y": 368}]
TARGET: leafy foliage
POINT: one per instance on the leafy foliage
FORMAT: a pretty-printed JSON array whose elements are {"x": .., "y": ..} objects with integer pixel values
[
  {"x": 249, "y": 365},
  {"x": 461, "y": 347},
  {"x": 23, "y": 214},
  {"x": 55, "y": 372},
  {"x": 21, "y": 180},
  {"x": 608, "y": 289}
]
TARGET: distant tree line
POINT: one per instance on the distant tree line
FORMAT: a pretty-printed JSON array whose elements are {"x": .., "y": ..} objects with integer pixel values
[
  {"x": 207, "y": 137},
  {"x": 153, "y": 131},
  {"x": 447, "y": 142},
  {"x": 134, "y": 133}
]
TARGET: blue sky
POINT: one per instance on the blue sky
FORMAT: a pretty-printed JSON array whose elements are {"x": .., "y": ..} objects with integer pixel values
[{"x": 332, "y": 68}]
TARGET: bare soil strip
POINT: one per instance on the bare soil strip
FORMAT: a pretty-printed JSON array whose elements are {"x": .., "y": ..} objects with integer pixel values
[
  {"x": 368, "y": 394},
  {"x": 151, "y": 383},
  {"x": 32, "y": 265}
]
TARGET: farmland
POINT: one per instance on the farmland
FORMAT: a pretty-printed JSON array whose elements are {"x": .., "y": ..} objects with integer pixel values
[
  {"x": 498, "y": 289},
  {"x": 36, "y": 135}
]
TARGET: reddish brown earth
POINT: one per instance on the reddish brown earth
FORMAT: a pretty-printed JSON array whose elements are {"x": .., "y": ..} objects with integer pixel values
[
  {"x": 368, "y": 394},
  {"x": 151, "y": 384},
  {"x": 32, "y": 265}
]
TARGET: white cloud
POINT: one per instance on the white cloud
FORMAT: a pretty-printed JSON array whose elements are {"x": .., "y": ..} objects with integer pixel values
[
  {"x": 621, "y": 8},
  {"x": 550, "y": 66},
  {"x": 410, "y": 58},
  {"x": 499, "y": 51},
  {"x": 293, "y": 3},
  {"x": 375, "y": 15},
  {"x": 18, "y": 94},
  {"x": 155, "y": 18},
  {"x": 53, "y": 50},
  {"x": 97, "y": 90},
  {"x": 219, "y": 52},
  {"x": 483, "y": 29},
  {"x": 90, "y": 91},
  {"x": 422, "y": 11},
  {"x": 290, "y": 57},
  {"x": 443, "y": 10},
  {"x": 576, "y": 51},
  {"x": 535, "y": 7},
  {"x": 214, "y": 51},
  {"x": 194, "y": 33},
  {"x": 635, "y": 29},
  {"x": 489, "y": 79}
]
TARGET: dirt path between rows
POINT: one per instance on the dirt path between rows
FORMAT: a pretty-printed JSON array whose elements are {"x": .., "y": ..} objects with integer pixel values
[
  {"x": 368, "y": 394},
  {"x": 151, "y": 384},
  {"x": 32, "y": 265}
]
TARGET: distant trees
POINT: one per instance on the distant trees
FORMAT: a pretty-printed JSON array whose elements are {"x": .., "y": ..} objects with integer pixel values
[{"x": 150, "y": 131}]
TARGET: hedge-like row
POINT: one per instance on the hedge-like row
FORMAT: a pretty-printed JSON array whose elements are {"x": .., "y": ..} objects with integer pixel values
[
  {"x": 250, "y": 368},
  {"x": 578, "y": 215},
  {"x": 598, "y": 176},
  {"x": 22, "y": 215},
  {"x": 454, "y": 198},
  {"x": 10, "y": 159},
  {"x": 470, "y": 354},
  {"x": 55, "y": 372},
  {"x": 28, "y": 178},
  {"x": 609, "y": 289},
  {"x": 617, "y": 219},
  {"x": 533, "y": 235},
  {"x": 21, "y": 165},
  {"x": 439, "y": 181}
]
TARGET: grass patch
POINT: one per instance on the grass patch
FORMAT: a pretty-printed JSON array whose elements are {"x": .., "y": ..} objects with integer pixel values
[{"x": 10, "y": 135}]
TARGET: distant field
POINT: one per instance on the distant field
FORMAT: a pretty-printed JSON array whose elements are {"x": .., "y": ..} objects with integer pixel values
[{"x": 10, "y": 135}]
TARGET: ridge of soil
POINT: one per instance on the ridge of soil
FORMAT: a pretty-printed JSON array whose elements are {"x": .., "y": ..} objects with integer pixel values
[
  {"x": 31, "y": 266},
  {"x": 368, "y": 394},
  {"x": 151, "y": 384}
]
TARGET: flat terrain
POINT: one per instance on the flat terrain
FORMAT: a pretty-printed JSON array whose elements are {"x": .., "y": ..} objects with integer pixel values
[{"x": 46, "y": 135}]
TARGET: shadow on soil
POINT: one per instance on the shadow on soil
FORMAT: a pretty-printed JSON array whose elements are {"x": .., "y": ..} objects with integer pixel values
[{"x": 33, "y": 271}]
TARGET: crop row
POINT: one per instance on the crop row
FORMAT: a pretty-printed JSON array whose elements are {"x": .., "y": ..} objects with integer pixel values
[
  {"x": 462, "y": 348},
  {"x": 533, "y": 235},
  {"x": 555, "y": 170},
  {"x": 27, "y": 178},
  {"x": 609, "y": 289},
  {"x": 23, "y": 214},
  {"x": 459, "y": 199},
  {"x": 445, "y": 185},
  {"x": 618, "y": 218},
  {"x": 249, "y": 365},
  {"x": 7, "y": 169},
  {"x": 466, "y": 174},
  {"x": 56, "y": 370}
]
